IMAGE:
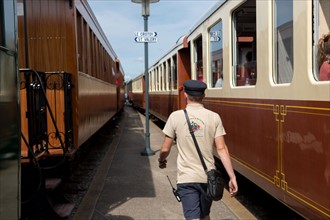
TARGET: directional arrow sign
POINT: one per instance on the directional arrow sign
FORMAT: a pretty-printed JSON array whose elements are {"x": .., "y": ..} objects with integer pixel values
[
  {"x": 146, "y": 39},
  {"x": 145, "y": 34},
  {"x": 212, "y": 39}
]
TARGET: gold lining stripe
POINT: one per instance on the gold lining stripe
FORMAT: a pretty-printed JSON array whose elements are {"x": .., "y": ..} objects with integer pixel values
[
  {"x": 242, "y": 103},
  {"x": 309, "y": 204},
  {"x": 280, "y": 111},
  {"x": 309, "y": 113},
  {"x": 306, "y": 198},
  {"x": 254, "y": 170},
  {"x": 307, "y": 107}
]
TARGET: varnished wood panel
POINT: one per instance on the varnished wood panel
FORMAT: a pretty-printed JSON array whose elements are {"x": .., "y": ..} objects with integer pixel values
[
  {"x": 282, "y": 145},
  {"x": 96, "y": 105},
  {"x": 162, "y": 105},
  {"x": 64, "y": 36}
]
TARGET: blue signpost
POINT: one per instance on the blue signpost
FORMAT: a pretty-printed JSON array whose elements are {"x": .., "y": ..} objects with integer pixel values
[{"x": 146, "y": 37}]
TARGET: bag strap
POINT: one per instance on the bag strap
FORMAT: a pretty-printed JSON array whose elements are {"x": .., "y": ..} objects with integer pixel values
[{"x": 195, "y": 141}]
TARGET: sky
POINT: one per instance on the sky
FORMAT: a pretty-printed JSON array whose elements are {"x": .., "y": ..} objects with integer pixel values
[{"x": 171, "y": 19}]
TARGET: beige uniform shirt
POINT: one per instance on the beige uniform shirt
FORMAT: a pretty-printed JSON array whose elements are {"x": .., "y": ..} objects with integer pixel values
[{"x": 207, "y": 125}]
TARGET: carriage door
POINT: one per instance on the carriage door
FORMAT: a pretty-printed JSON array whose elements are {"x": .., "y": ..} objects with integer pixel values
[{"x": 183, "y": 71}]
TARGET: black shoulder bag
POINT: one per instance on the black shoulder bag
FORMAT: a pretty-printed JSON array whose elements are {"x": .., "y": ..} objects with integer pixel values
[{"x": 215, "y": 183}]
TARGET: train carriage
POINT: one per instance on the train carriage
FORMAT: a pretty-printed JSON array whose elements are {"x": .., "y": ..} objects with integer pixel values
[
  {"x": 71, "y": 83},
  {"x": 260, "y": 62},
  {"x": 162, "y": 97},
  {"x": 136, "y": 94},
  {"x": 59, "y": 38}
]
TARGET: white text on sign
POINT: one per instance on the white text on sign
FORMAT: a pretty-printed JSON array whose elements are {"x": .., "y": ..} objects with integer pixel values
[
  {"x": 146, "y": 39},
  {"x": 145, "y": 34}
]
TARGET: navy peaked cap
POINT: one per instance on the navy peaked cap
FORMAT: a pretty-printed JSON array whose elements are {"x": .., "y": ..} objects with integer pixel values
[{"x": 194, "y": 87}]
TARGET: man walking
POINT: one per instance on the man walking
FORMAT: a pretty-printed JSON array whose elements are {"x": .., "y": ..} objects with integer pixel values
[{"x": 209, "y": 132}]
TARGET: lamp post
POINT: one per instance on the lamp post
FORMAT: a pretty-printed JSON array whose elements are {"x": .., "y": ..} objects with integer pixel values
[{"x": 145, "y": 13}]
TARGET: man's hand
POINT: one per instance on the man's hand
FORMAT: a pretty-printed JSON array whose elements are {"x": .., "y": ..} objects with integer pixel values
[{"x": 162, "y": 163}]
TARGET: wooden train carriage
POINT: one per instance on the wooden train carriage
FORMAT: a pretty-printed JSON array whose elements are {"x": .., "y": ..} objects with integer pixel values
[
  {"x": 64, "y": 36},
  {"x": 120, "y": 83},
  {"x": 128, "y": 91},
  {"x": 278, "y": 118},
  {"x": 274, "y": 106},
  {"x": 138, "y": 92},
  {"x": 166, "y": 85}
]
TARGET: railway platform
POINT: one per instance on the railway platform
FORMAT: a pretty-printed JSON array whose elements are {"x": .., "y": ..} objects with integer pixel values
[{"x": 128, "y": 186}]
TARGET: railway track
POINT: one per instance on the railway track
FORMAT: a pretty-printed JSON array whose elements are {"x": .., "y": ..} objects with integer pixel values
[{"x": 86, "y": 163}]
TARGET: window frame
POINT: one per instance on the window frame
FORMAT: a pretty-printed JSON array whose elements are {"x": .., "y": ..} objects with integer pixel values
[
  {"x": 246, "y": 40},
  {"x": 198, "y": 63},
  {"x": 219, "y": 67},
  {"x": 316, "y": 37},
  {"x": 276, "y": 74},
  {"x": 174, "y": 71}
]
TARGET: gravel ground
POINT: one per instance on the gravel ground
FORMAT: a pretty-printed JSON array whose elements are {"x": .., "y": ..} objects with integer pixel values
[{"x": 87, "y": 160}]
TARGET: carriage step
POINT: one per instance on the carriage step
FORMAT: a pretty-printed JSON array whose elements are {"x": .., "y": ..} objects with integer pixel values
[
  {"x": 63, "y": 210},
  {"x": 52, "y": 183}
]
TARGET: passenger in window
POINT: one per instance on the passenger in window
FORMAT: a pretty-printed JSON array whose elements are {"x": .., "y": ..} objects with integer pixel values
[
  {"x": 249, "y": 69},
  {"x": 200, "y": 74},
  {"x": 324, "y": 57},
  {"x": 218, "y": 84}
]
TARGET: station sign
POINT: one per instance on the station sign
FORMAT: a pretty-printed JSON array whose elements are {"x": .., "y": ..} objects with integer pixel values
[
  {"x": 215, "y": 36},
  {"x": 145, "y": 37},
  {"x": 212, "y": 39}
]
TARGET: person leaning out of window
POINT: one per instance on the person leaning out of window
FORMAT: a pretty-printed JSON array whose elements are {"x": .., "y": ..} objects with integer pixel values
[{"x": 324, "y": 57}]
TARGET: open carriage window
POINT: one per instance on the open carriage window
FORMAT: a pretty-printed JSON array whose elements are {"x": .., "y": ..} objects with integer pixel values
[
  {"x": 156, "y": 79},
  {"x": 216, "y": 55},
  {"x": 244, "y": 41},
  {"x": 174, "y": 72},
  {"x": 198, "y": 58},
  {"x": 169, "y": 74},
  {"x": 151, "y": 88},
  {"x": 321, "y": 40},
  {"x": 283, "y": 36},
  {"x": 161, "y": 76},
  {"x": 164, "y": 76}
]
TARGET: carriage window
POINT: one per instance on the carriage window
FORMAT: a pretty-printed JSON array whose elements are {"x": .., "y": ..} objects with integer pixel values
[
  {"x": 174, "y": 72},
  {"x": 137, "y": 85},
  {"x": 80, "y": 41},
  {"x": 198, "y": 57},
  {"x": 159, "y": 81},
  {"x": 321, "y": 42},
  {"x": 150, "y": 80},
  {"x": 156, "y": 79},
  {"x": 216, "y": 55},
  {"x": 168, "y": 64},
  {"x": 165, "y": 76},
  {"x": 245, "y": 51},
  {"x": 283, "y": 35},
  {"x": 160, "y": 77}
]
